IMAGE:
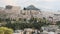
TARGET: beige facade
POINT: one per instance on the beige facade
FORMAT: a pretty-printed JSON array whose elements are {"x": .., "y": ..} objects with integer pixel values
[
  {"x": 30, "y": 13},
  {"x": 17, "y": 12}
]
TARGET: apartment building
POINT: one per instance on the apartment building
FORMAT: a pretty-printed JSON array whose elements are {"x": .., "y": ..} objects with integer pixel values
[{"x": 15, "y": 12}]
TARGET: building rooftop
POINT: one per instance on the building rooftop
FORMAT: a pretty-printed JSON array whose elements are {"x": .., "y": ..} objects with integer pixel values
[{"x": 32, "y": 7}]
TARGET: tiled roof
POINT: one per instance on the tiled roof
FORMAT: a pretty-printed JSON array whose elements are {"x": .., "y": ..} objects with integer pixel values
[{"x": 32, "y": 7}]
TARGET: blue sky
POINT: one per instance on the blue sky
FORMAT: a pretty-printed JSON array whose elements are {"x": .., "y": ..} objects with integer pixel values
[{"x": 41, "y": 4}]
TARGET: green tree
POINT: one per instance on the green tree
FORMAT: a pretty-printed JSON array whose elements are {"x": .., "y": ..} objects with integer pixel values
[
  {"x": 1, "y": 32},
  {"x": 5, "y": 30},
  {"x": 58, "y": 22},
  {"x": 35, "y": 23}
]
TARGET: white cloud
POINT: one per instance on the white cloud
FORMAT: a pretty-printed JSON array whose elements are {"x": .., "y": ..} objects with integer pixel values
[
  {"x": 49, "y": 0},
  {"x": 9, "y": 2},
  {"x": 48, "y": 4}
]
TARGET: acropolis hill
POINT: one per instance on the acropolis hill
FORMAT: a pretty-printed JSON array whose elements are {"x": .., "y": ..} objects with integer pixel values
[{"x": 15, "y": 12}]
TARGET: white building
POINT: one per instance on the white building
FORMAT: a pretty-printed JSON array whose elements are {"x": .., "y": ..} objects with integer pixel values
[{"x": 15, "y": 12}]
